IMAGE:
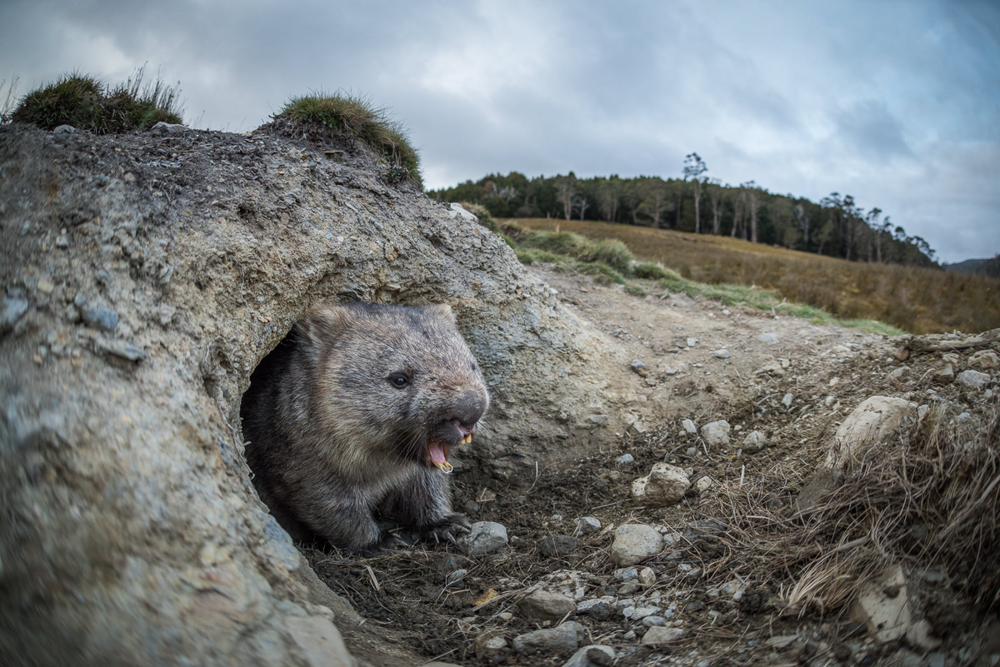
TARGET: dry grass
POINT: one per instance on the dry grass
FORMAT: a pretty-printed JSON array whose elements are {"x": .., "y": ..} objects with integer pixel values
[
  {"x": 916, "y": 300},
  {"x": 930, "y": 499}
]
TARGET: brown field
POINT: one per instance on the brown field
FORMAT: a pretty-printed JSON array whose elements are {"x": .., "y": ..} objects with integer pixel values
[{"x": 914, "y": 299}]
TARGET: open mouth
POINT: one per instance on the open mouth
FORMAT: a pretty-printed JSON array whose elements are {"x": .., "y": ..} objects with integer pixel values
[{"x": 437, "y": 451}]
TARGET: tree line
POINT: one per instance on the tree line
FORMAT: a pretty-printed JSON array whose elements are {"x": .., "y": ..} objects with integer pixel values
[{"x": 836, "y": 226}]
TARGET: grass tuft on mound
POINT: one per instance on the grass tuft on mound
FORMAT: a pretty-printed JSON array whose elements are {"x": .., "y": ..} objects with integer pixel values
[
  {"x": 88, "y": 104},
  {"x": 356, "y": 116}
]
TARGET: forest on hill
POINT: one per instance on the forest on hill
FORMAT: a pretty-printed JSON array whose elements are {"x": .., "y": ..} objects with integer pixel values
[{"x": 835, "y": 227}]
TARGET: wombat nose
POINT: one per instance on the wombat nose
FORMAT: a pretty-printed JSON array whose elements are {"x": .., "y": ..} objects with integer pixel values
[{"x": 468, "y": 408}]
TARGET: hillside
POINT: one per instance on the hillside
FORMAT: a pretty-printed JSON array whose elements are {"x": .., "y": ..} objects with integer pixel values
[{"x": 914, "y": 299}]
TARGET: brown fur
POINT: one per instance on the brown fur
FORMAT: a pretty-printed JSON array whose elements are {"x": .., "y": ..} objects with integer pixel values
[{"x": 332, "y": 441}]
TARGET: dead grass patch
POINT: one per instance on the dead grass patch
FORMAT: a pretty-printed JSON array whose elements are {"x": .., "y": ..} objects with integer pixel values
[{"x": 916, "y": 300}]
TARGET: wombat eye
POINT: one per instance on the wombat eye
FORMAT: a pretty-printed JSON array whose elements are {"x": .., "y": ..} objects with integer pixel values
[{"x": 399, "y": 380}]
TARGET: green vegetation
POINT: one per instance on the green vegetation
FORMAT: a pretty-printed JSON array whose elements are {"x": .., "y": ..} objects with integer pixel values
[
  {"x": 357, "y": 117},
  {"x": 610, "y": 261},
  {"x": 88, "y": 104},
  {"x": 914, "y": 299}
]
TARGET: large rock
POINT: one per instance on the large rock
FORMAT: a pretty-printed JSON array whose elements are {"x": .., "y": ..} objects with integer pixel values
[
  {"x": 870, "y": 424},
  {"x": 664, "y": 485},
  {"x": 130, "y": 528},
  {"x": 634, "y": 543},
  {"x": 884, "y": 606},
  {"x": 546, "y": 606},
  {"x": 562, "y": 640}
]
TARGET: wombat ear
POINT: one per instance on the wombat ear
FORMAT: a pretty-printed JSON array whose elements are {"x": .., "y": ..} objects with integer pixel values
[
  {"x": 442, "y": 310},
  {"x": 323, "y": 324}
]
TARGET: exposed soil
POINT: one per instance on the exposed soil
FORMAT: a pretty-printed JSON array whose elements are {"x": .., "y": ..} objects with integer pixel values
[{"x": 827, "y": 371}]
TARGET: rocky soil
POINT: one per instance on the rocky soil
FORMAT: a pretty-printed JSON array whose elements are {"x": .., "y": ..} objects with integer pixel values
[
  {"x": 641, "y": 460},
  {"x": 734, "y": 401}
]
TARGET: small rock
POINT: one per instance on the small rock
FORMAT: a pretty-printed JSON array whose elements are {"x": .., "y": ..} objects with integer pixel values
[
  {"x": 626, "y": 574},
  {"x": 703, "y": 484},
  {"x": 100, "y": 316},
  {"x": 984, "y": 360},
  {"x": 754, "y": 442},
  {"x": 647, "y": 577},
  {"x": 545, "y": 606},
  {"x": 902, "y": 353},
  {"x": 624, "y": 458},
  {"x": 639, "y": 368},
  {"x": 919, "y": 635},
  {"x": 787, "y": 401},
  {"x": 628, "y": 589},
  {"x": 634, "y": 543},
  {"x": 456, "y": 210},
  {"x": 654, "y": 620},
  {"x": 691, "y": 342},
  {"x": 557, "y": 545},
  {"x": 963, "y": 418},
  {"x": 770, "y": 337},
  {"x": 657, "y": 635},
  {"x": 689, "y": 426},
  {"x": 64, "y": 129},
  {"x": 490, "y": 649},
  {"x": 664, "y": 485},
  {"x": 643, "y": 612},
  {"x": 455, "y": 577},
  {"x": 562, "y": 640},
  {"x": 973, "y": 379},
  {"x": 13, "y": 308},
  {"x": 120, "y": 348},
  {"x": 900, "y": 373},
  {"x": 943, "y": 374},
  {"x": 587, "y": 525},
  {"x": 716, "y": 433},
  {"x": 168, "y": 128},
  {"x": 594, "y": 655},
  {"x": 884, "y": 606},
  {"x": 45, "y": 285},
  {"x": 599, "y": 420},
  {"x": 721, "y": 354},
  {"x": 599, "y": 609},
  {"x": 483, "y": 538},
  {"x": 840, "y": 351}
]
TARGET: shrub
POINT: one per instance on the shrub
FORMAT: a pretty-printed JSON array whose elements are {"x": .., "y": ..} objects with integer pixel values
[
  {"x": 355, "y": 116},
  {"x": 87, "y": 104}
]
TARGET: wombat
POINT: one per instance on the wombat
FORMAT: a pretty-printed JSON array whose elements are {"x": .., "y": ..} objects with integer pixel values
[{"x": 353, "y": 416}]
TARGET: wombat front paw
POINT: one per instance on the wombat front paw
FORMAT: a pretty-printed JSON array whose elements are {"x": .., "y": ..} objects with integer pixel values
[{"x": 448, "y": 528}]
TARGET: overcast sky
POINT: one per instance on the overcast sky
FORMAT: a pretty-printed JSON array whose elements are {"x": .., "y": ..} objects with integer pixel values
[{"x": 894, "y": 102}]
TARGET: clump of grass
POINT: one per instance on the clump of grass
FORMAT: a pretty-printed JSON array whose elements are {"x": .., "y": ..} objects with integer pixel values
[
  {"x": 929, "y": 497},
  {"x": 611, "y": 252},
  {"x": 356, "y": 116},
  {"x": 88, "y": 104},
  {"x": 649, "y": 270},
  {"x": 8, "y": 100}
]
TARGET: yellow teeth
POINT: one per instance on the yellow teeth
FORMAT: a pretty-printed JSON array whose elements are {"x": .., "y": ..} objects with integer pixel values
[
  {"x": 467, "y": 439},
  {"x": 445, "y": 466}
]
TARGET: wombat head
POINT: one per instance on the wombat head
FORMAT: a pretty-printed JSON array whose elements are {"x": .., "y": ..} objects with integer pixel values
[{"x": 402, "y": 376}]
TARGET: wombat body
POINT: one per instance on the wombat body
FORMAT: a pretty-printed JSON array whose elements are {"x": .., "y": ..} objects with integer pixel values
[{"x": 353, "y": 415}]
